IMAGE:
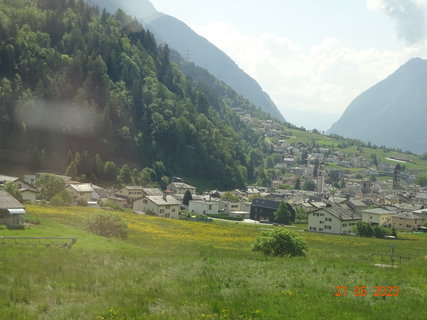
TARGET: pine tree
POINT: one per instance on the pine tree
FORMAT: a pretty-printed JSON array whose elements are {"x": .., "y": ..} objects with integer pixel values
[
  {"x": 281, "y": 215},
  {"x": 187, "y": 197}
]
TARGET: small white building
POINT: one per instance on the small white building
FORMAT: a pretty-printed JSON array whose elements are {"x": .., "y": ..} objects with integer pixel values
[
  {"x": 161, "y": 206},
  {"x": 227, "y": 206},
  {"x": 203, "y": 207},
  {"x": 130, "y": 192},
  {"x": 377, "y": 216},
  {"x": 80, "y": 191},
  {"x": 181, "y": 188},
  {"x": 333, "y": 220},
  {"x": 28, "y": 194}
]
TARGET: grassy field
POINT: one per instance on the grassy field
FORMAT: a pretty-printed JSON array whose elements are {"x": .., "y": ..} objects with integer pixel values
[{"x": 170, "y": 269}]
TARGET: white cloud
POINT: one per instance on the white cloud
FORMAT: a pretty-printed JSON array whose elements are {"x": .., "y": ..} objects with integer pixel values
[
  {"x": 326, "y": 78},
  {"x": 410, "y": 17}
]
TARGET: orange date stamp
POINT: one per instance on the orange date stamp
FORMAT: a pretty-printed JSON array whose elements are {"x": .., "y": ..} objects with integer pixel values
[{"x": 362, "y": 291}]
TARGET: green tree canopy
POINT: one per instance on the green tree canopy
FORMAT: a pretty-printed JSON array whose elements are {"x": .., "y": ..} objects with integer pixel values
[
  {"x": 421, "y": 179},
  {"x": 13, "y": 190},
  {"x": 229, "y": 196},
  {"x": 309, "y": 185},
  {"x": 282, "y": 214},
  {"x": 49, "y": 185}
]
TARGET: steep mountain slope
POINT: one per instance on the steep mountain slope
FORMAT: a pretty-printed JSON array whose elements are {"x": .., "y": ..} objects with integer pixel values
[
  {"x": 391, "y": 113},
  {"x": 78, "y": 86},
  {"x": 183, "y": 39}
]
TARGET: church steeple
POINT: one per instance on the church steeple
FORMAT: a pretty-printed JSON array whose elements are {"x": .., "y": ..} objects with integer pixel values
[{"x": 396, "y": 177}]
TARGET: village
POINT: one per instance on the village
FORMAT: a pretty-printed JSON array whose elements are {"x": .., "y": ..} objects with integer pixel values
[{"x": 329, "y": 200}]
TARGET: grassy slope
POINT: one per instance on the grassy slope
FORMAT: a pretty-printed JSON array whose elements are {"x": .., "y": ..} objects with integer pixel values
[
  {"x": 171, "y": 269},
  {"x": 308, "y": 137}
]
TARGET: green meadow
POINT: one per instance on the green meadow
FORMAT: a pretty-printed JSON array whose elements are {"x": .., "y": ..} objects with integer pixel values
[{"x": 170, "y": 269}]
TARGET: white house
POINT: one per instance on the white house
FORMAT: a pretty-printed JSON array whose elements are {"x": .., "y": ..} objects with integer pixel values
[
  {"x": 377, "y": 216},
  {"x": 203, "y": 207},
  {"x": 181, "y": 187},
  {"x": 28, "y": 194},
  {"x": 80, "y": 191},
  {"x": 333, "y": 220},
  {"x": 130, "y": 192},
  {"x": 161, "y": 206},
  {"x": 227, "y": 206}
]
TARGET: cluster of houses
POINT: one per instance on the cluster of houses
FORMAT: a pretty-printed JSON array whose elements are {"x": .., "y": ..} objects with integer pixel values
[{"x": 396, "y": 203}]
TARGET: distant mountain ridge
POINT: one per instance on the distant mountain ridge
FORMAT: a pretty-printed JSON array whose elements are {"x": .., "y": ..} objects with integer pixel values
[
  {"x": 391, "y": 113},
  {"x": 189, "y": 44}
]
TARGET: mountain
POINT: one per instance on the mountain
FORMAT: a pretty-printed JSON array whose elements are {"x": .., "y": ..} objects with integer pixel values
[
  {"x": 391, "y": 113},
  {"x": 94, "y": 94},
  {"x": 189, "y": 44}
]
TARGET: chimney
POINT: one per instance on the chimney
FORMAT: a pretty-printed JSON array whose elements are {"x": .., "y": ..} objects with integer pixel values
[{"x": 164, "y": 197}]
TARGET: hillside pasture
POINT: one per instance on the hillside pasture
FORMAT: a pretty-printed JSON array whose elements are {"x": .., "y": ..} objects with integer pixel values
[{"x": 173, "y": 269}]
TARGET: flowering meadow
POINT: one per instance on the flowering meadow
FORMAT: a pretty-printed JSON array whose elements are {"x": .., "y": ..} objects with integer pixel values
[{"x": 177, "y": 269}]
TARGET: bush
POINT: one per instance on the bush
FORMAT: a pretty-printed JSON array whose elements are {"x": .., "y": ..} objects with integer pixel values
[
  {"x": 63, "y": 198},
  {"x": 111, "y": 204},
  {"x": 280, "y": 242},
  {"x": 31, "y": 219},
  {"x": 81, "y": 203},
  {"x": 380, "y": 232},
  {"x": 364, "y": 229},
  {"x": 108, "y": 225}
]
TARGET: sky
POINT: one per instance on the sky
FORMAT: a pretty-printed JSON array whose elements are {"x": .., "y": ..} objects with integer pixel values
[{"x": 312, "y": 57}]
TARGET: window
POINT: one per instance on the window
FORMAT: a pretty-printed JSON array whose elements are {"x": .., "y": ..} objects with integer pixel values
[
  {"x": 168, "y": 207},
  {"x": 210, "y": 207},
  {"x": 321, "y": 214},
  {"x": 328, "y": 227},
  {"x": 344, "y": 224},
  {"x": 321, "y": 222},
  {"x": 173, "y": 210},
  {"x": 167, "y": 215},
  {"x": 328, "y": 219},
  {"x": 162, "y": 210}
]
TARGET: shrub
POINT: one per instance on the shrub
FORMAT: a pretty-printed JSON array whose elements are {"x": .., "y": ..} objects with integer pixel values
[
  {"x": 81, "y": 203},
  {"x": 280, "y": 242},
  {"x": 31, "y": 219},
  {"x": 108, "y": 225},
  {"x": 364, "y": 229},
  {"x": 380, "y": 232},
  {"x": 63, "y": 198},
  {"x": 111, "y": 204}
]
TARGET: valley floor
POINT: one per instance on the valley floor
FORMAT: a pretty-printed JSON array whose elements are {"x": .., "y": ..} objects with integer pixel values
[{"x": 173, "y": 269}]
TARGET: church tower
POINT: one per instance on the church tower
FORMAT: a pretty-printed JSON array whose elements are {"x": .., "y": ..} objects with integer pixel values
[
  {"x": 396, "y": 177},
  {"x": 321, "y": 173}
]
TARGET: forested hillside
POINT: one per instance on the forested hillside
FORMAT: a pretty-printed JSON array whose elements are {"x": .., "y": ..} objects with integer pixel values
[
  {"x": 196, "y": 49},
  {"x": 76, "y": 80}
]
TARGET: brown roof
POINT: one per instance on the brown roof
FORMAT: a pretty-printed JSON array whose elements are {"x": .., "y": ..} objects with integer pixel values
[{"x": 9, "y": 202}]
